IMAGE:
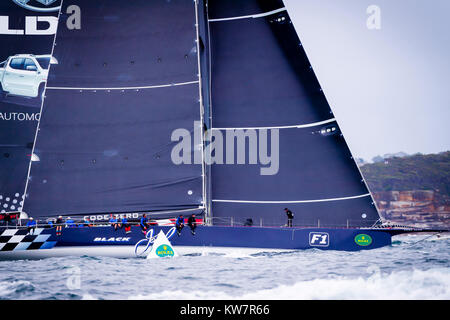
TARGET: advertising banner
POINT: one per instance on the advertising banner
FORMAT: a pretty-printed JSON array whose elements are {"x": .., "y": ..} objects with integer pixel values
[{"x": 27, "y": 32}]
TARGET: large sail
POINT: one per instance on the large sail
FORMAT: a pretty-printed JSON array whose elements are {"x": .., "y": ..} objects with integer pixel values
[
  {"x": 26, "y": 37},
  {"x": 126, "y": 79},
  {"x": 261, "y": 79}
]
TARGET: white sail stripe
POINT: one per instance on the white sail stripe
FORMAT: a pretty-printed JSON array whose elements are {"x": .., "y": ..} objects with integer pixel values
[
  {"x": 295, "y": 201},
  {"x": 174, "y": 211},
  {"x": 298, "y": 126},
  {"x": 127, "y": 88},
  {"x": 253, "y": 16}
]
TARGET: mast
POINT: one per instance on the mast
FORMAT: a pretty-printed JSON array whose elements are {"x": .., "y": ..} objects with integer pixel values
[
  {"x": 202, "y": 108},
  {"x": 205, "y": 80}
]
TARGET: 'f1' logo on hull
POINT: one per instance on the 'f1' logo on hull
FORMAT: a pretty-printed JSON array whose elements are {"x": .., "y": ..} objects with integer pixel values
[{"x": 319, "y": 239}]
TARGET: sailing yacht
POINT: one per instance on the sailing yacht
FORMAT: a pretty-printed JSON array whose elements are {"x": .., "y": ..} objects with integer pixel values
[{"x": 134, "y": 73}]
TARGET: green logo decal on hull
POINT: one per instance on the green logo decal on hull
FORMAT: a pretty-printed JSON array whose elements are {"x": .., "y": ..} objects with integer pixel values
[
  {"x": 164, "y": 250},
  {"x": 363, "y": 240}
]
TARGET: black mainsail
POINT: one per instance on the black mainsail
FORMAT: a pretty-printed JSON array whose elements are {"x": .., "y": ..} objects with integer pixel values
[
  {"x": 125, "y": 81},
  {"x": 261, "y": 78}
]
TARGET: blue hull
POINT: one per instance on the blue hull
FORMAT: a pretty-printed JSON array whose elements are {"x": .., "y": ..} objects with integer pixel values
[
  {"x": 243, "y": 237},
  {"x": 16, "y": 243}
]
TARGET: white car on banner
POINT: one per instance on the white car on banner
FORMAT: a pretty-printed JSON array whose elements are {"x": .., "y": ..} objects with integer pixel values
[{"x": 25, "y": 74}]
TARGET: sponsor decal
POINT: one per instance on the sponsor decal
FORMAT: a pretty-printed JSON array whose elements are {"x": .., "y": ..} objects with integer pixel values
[
  {"x": 31, "y": 26},
  {"x": 19, "y": 116},
  {"x": 112, "y": 239},
  {"x": 106, "y": 217},
  {"x": 164, "y": 250},
  {"x": 319, "y": 239},
  {"x": 363, "y": 240},
  {"x": 39, "y": 5}
]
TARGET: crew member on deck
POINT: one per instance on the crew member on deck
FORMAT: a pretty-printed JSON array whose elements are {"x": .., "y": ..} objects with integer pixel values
[
  {"x": 49, "y": 224},
  {"x": 31, "y": 224},
  {"x": 7, "y": 218},
  {"x": 70, "y": 223},
  {"x": 113, "y": 222},
  {"x": 290, "y": 216},
  {"x": 125, "y": 225},
  {"x": 59, "y": 225},
  {"x": 86, "y": 222},
  {"x": 179, "y": 224},
  {"x": 144, "y": 223},
  {"x": 192, "y": 223}
]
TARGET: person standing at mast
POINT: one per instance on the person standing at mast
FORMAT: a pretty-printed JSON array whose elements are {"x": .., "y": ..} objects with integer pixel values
[{"x": 290, "y": 216}]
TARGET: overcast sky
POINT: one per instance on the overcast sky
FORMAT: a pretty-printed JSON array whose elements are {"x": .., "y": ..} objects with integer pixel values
[{"x": 389, "y": 88}]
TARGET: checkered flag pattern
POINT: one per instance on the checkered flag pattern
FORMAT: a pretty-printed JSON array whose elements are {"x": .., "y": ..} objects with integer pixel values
[{"x": 20, "y": 239}]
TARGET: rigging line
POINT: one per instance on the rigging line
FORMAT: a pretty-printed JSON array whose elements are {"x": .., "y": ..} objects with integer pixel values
[
  {"x": 296, "y": 201},
  {"x": 298, "y": 126},
  {"x": 253, "y": 16},
  {"x": 424, "y": 239},
  {"x": 127, "y": 88}
]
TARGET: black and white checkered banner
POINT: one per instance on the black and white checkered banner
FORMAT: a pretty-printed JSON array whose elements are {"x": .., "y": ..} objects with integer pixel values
[{"x": 20, "y": 239}]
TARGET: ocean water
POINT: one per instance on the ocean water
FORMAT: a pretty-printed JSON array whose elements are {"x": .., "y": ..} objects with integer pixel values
[{"x": 414, "y": 267}]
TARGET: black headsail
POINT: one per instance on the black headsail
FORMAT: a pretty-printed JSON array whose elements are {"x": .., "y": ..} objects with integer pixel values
[
  {"x": 26, "y": 39},
  {"x": 126, "y": 80},
  {"x": 261, "y": 79}
]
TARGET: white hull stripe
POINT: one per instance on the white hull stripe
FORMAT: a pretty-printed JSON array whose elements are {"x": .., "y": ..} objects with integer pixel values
[
  {"x": 252, "y": 16},
  {"x": 296, "y": 201},
  {"x": 298, "y": 126},
  {"x": 127, "y": 88}
]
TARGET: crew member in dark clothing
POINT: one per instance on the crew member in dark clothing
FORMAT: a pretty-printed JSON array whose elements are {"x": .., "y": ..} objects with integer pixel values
[
  {"x": 7, "y": 218},
  {"x": 59, "y": 224},
  {"x": 192, "y": 223},
  {"x": 13, "y": 218},
  {"x": 179, "y": 224},
  {"x": 290, "y": 216},
  {"x": 31, "y": 224},
  {"x": 144, "y": 223}
]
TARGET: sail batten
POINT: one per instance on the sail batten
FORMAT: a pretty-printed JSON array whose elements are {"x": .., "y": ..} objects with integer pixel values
[
  {"x": 252, "y": 16},
  {"x": 126, "y": 88},
  {"x": 296, "y": 201},
  {"x": 298, "y": 126}
]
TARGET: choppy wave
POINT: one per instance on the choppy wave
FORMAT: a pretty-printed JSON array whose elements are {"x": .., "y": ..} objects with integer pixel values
[
  {"x": 8, "y": 288},
  {"x": 415, "y": 284}
]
